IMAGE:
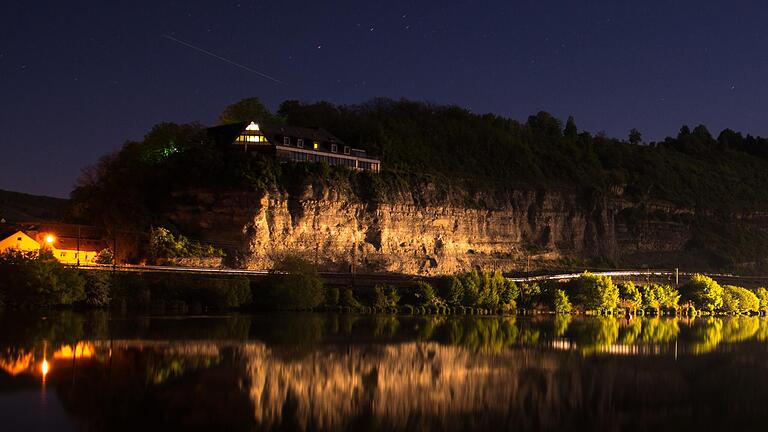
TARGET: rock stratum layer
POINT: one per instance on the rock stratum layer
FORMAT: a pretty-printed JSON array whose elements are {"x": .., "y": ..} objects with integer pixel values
[{"x": 514, "y": 231}]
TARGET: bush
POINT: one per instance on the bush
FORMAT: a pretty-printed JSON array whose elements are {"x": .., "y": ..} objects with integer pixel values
[
  {"x": 348, "y": 300},
  {"x": 657, "y": 297},
  {"x": 703, "y": 292},
  {"x": 385, "y": 297},
  {"x": 98, "y": 288},
  {"x": 530, "y": 295},
  {"x": 293, "y": 284},
  {"x": 105, "y": 256},
  {"x": 32, "y": 279},
  {"x": 629, "y": 296},
  {"x": 595, "y": 293},
  {"x": 451, "y": 290},
  {"x": 142, "y": 289},
  {"x": 762, "y": 296},
  {"x": 425, "y": 295},
  {"x": 739, "y": 300},
  {"x": 562, "y": 304},
  {"x": 332, "y": 296}
]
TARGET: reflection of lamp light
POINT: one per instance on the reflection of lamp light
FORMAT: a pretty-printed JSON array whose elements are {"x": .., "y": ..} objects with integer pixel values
[
  {"x": 50, "y": 239},
  {"x": 44, "y": 368}
]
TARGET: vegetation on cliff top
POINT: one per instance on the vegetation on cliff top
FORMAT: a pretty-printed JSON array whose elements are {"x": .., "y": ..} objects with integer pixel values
[{"x": 440, "y": 145}]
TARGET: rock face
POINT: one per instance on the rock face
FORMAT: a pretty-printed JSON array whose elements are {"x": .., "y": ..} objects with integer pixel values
[{"x": 518, "y": 230}]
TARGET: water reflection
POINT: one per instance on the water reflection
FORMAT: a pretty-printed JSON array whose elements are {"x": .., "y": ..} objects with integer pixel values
[{"x": 346, "y": 372}]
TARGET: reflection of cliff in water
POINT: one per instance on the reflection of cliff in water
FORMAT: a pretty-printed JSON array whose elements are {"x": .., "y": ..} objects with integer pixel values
[
  {"x": 321, "y": 372},
  {"x": 426, "y": 385}
]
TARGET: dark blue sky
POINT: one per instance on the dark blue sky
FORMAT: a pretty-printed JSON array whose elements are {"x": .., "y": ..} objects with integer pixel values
[{"x": 79, "y": 78}]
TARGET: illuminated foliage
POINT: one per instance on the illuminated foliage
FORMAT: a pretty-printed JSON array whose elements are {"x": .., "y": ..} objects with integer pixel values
[
  {"x": 704, "y": 292},
  {"x": 593, "y": 292},
  {"x": 739, "y": 300}
]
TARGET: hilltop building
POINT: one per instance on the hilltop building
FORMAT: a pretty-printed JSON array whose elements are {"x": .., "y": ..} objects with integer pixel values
[{"x": 293, "y": 144}]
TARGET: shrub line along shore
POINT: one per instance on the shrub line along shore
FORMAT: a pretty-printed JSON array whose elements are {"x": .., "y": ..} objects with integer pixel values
[{"x": 37, "y": 280}]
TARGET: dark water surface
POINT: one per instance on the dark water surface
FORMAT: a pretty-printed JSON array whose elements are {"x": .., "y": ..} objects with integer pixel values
[{"x": 67, "y": 371}]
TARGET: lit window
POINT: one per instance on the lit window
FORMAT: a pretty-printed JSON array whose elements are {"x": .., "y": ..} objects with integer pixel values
[
  {"x": 300, "y": 143},
  {"x": 334, "y": 148},
  {"x": 316, "y": 145},
  {"x": 287, "y": 141}
]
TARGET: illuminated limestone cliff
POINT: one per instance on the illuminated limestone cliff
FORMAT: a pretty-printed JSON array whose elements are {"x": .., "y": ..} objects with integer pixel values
[{"x": 423, "y": 234}]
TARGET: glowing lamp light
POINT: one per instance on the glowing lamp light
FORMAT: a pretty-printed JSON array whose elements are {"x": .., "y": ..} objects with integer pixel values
[{"x": 50, "y": 239}]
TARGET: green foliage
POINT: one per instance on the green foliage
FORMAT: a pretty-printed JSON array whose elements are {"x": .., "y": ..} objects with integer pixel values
[
  {"x": 530, "y": 294},
  {"x": 594, "y": 292},
  {"x": 163, "y": 244},
  {"x": 562, "y": 304},
  {"x": 32, "y": 279},
  {"x": 248, "y": 109},
  {"x": 451, "y": 289},
  {"x": 656, "y": 296},
  {"x": 739, "y": 300},
  {"x": 703, "y": 292},
  {"x": 385, "y": 297},
  {"x": 211, "y": 292},
  {"x": 425, "y": 295},
  {"x": 348, "y": 300},
  {"x": 105, "y": 256},
  {"x": 293, "y": 284},
  {"x": 762, "y": 296},
  {"x": 332, "y": 296},
  {"x": 98, "y": 288},
  {"x": 629, "y": 295}
]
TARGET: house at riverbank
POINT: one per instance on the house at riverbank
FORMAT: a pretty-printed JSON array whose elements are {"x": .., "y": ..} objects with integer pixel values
[
  {"x": 293, "y": 144},
  {"x": 68, "y": 250}
]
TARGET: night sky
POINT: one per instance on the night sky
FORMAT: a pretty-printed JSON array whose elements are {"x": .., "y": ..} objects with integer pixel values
[{"x": 79, "y": 78}]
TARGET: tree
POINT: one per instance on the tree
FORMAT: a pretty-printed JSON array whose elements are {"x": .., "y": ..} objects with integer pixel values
[
  {"x": 562, "y": 304},
  {"x": 762, "y": 296},
  {"x": 739, "y": 300},
  {"x": 246, "y": 110},
  {"x": 37, "y": 279},
  {"x": 294, "y": 284},
  {"x": 425, "y": 295},
  {"x": 704, "y": 292},
  {"x": 595, "y": 292},
  {"x": 629, "y": 296},
  {"x": 451, "y": 290},
  {"x": 635, "y": 137},
  {"x": 570, "y": 130}
]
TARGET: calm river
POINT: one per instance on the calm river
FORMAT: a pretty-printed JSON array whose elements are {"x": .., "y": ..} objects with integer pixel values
[{"x": 67, "y": 371}]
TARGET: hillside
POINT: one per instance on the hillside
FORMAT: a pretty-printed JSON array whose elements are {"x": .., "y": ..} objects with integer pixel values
[
  {"x": 21, "y": 207},
  {"x": 457, "y": 189}
]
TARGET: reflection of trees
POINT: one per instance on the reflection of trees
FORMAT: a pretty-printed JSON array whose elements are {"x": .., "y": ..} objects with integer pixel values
[
  {"x": 707, "y": 335},
  {"x": 593, "y": 335},
  {"x": 740, "y": 328},
  {"x": 560, "y": 324},
  {"x": 658, "y": 330}
]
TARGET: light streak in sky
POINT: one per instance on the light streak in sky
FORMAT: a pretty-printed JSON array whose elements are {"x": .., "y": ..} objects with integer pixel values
[{"x": 196, "y": 48}]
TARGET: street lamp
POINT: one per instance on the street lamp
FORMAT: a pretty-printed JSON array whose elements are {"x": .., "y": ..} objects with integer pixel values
[{"x": 50, "y": 239}]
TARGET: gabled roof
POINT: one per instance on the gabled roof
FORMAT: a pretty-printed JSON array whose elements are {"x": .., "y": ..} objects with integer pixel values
[
  {"x": 86, "y": 245},
  {"x": 14, "y": 233}
]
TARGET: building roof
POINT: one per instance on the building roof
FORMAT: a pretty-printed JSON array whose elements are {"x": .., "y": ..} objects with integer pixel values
[
  {"x": 86, "y": 245},
  {"x": 226, "y": 134}
]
